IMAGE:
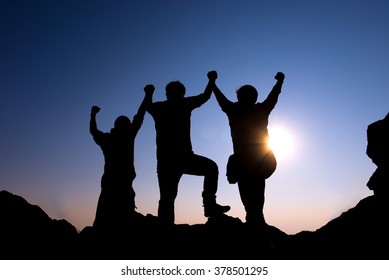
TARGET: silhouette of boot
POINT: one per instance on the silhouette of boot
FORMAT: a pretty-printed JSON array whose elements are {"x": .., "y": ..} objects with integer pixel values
[{"x": 215, "y": 209}]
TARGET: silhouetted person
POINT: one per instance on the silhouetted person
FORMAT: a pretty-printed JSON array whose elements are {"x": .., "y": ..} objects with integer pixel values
[
  {"x": 378, "y": 151},
  {"x": 175, "y": 156},
  {"x": 252, "y": 161},
  {"x": 116, "y": 204}
]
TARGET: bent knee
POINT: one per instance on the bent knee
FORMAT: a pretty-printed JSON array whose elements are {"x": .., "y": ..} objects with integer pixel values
[{"x": 212, "y": 168}]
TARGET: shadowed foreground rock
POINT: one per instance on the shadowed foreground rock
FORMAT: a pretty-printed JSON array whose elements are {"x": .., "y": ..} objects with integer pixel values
[
  {"x": 359, "y": 233},
  {"x": 28, "y": 233}
]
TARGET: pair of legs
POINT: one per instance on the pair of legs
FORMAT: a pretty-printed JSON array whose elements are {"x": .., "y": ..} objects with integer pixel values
[
  {"x": 115, "y": 207},
  {"x": 170, "y": 172},
  {"x": 252, "y": 194}
]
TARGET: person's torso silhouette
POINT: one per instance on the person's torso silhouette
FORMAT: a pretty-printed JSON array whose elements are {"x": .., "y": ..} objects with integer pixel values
[
  {"x": 175, "y": 155},
  {"x": 173, "y": 124},
  {"x": 118, "y": 149},
  {"x": 252, "y": 161},
  {"x": 116, "y": 204}
]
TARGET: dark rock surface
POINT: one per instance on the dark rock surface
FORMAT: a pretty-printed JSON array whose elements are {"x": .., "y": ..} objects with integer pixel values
[{"x": 27, "y": 232}]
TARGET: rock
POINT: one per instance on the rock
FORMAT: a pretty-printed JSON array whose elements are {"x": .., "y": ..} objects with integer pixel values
[{"x": 29, "y": 233}]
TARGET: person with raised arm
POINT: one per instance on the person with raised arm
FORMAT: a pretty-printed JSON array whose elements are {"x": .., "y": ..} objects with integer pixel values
[
  {"x": 175, "y": 156},
  {"x": 116, "y": 203},
  {"x": 252, "y": 161}
]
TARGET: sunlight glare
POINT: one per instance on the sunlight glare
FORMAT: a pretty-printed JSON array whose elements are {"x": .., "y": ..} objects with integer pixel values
[{"x": 281, "y": 142}]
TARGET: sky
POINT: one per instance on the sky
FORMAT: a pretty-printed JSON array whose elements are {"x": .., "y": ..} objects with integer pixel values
[{"x": 58, "y": 58}]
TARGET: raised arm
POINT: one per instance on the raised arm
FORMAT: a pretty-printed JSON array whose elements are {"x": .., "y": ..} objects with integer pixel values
[
  {"x": 92, "y": 124},
  {"x": 147, "y": 100},
  {"x": 198, "y": 100},
  {"x": 272, "y": 98},
  {"x": 96, "y": 133},
  {"x": 220, "y": 97},
  {"x": 209, "y": 88}
]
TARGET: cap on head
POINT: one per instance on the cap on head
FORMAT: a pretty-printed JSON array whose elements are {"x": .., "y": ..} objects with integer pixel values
[
  {"x": 175, "y": 90},
  {"x": 247, "y": 94}
]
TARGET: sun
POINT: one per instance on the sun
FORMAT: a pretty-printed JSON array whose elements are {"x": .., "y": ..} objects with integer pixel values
[{"x": 281, "y": 142}]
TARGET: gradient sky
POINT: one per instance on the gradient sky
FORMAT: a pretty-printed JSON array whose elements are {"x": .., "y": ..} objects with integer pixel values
[{"x": 60, "y": 57}]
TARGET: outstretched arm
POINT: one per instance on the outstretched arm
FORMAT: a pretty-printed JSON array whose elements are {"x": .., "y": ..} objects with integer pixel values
[
  {"x": 147, "y": 100},
  {"x": 220, "y": 97},
  {"x": 272, "y": 98}
]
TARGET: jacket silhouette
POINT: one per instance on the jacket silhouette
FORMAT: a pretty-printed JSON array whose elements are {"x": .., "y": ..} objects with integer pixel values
[
  {"x": 116, "y": 204},
  {"x": 252, "y": 161},
  {"x": 175, "y": 155}
]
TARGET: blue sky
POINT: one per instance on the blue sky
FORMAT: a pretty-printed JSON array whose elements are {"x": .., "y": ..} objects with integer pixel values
[{"x": 58, "y": 58}]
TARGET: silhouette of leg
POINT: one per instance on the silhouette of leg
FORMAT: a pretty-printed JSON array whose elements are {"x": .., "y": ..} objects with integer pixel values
[
  {"x": 125, "y": 206},
  {"x": 168, "y": 187},
  {"x": 106, "y": 211},
  {"x": 100, "y": 217},
  {"x": 131, "y": 202},
  {"x": 252, "y": 194},
  {"x": 115, "y": 208},
  {"x": 202, "y": 166}
]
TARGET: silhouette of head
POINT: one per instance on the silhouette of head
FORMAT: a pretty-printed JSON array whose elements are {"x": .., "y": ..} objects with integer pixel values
[
  {"x": 247, "y": 94},
  {"x": 122, "y": 123},
  {"x": 175, "y": 90}
]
